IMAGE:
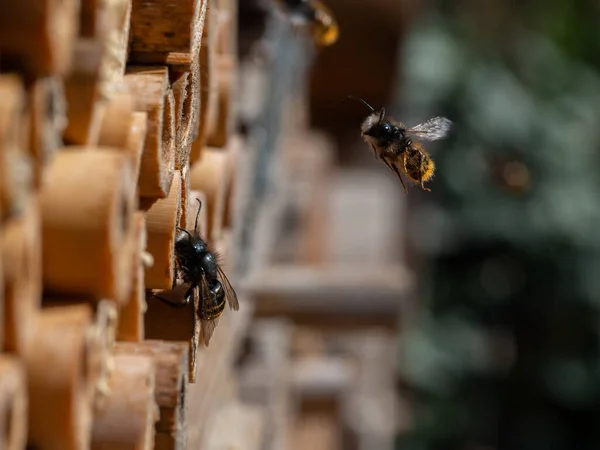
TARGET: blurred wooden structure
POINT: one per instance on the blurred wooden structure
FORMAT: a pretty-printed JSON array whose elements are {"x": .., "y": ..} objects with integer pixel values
[{"x": 115, "y": 117}]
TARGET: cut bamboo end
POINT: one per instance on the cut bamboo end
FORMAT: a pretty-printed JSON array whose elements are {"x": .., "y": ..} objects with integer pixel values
[
  {"x": 124, "y": 129},
  {"x": 153, "y": 95},
  {"x": 185, "y": 193},
  {"x": 117, "y": 43},
  {"x": 125, "y": 418},
  {"x": 101, "y": 339},
  {"x": 161, "y": 220},
  {"x": 13, "y": 404},
  {"x": 86, "y": 214},
  {"x": 188, "y": 126},
  {"x": 14, "y": 164},
  {"x": 131, "y": 317},
  {"x": 211, "y": 176},
  {"x": 38, "y": 37},
  {"x": 136, "y": 140},
  {"x": 57, "y": 365},
  {"x": 83, "y": 90},
  {"x": 224, "y": 121},
  {"x": 171, "y": 361},
  {"x": 22, "y": 262},
  {"x": 166, "y": 33},
  {"x": 48, "y": 119},
  {"x": 180, "y": 92}
]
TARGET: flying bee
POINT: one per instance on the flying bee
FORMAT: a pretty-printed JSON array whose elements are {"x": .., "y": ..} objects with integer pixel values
[
  {"x": 197, "y": 267},
  {"x": 315, "y": 15},
  {"x": 396, "y": 144}
]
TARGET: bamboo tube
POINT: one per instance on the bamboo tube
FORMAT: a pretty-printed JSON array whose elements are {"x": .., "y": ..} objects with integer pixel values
[
  {"x": 211, "y": 176},
  {"x": 131, "y": 317},
  {"x": 84, "y": 94},
  {"x": 14, "y": 167},
  {"x": 235, "y": 149},
  {"x": 171, "y": 361},
  {"x": 166, "y": 32},
  {"x": 48, "y": 119},
  {"x": 84, "y": 237},
  {"x": 22, "y": 262},
  {"x": 13, "y": 404},
  {"x": 57, "y": 364},
  {"x": 125, "y": 418},
  {"x": 153, "y": 95},
  {"x": 38, "y": 35},
  {"x": 124, "y": 129},
  {"x": 161, "y": 220}
]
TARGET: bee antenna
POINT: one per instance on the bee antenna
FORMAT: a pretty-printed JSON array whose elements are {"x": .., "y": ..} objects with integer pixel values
[
  {"x": 354, "y": 97},
  {"x": 185, "y": 231},
  {"x": 197, "y": 214}
]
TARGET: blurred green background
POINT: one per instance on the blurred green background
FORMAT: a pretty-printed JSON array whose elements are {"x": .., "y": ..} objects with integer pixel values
[{"x": 505, "y": 352}]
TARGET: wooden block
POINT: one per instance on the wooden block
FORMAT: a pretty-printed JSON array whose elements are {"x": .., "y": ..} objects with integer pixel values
[
  {"x": 166, "y": 322},
  {"x": 60, "y": 409},
  {"x": 153, "y": 95},
  {"x": 13, "y": 404},
  {"x": 171, "y": 360},
  {"x": 83, "y": 91},
  {"x": 14, "y": 167},
  {"x": 161, "y": 220},
  {"x": 48, "y": 119},
  {"x": 21, "y": 246},
  {"x": 125, "y": 418},
  {"x": 166, "y": 32},
  {"x": 86, "y": 214},
  {"x": 37, "y": 36},
  {"x": 131, "y": 315}
]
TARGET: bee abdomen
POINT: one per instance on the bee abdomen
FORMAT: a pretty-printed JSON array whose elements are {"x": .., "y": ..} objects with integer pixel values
[{"x": 212, "y": 311}]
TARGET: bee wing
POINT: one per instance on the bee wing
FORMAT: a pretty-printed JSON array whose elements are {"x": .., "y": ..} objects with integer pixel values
[
  {"x": 432, "y": 130},
  {"x": 207, "y": 326},
  {"x": 230, "y": 294},
  {"x": 176, "y": 296}
]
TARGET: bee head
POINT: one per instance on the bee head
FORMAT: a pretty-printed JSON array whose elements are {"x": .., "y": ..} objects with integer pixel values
[{"x": 378, "y": 130}]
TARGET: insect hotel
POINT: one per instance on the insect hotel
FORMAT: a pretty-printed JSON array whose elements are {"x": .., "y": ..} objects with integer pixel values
[{"x": 117, "y": 118}]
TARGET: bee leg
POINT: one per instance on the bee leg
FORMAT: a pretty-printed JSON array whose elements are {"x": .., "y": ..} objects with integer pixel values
[
  {"x": 391, "y": 166},
  {"x": 375, "y": 151}
]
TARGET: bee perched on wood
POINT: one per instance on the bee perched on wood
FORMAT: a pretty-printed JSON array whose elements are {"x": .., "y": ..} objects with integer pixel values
[
  {"x": 396, "y": 145},
  {"x": 197, "y": 267},
  {"x": 315, "y": 15}
]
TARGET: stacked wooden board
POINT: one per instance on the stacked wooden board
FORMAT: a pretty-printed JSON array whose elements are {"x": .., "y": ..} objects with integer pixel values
[{"x": 116, "y": 115}]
